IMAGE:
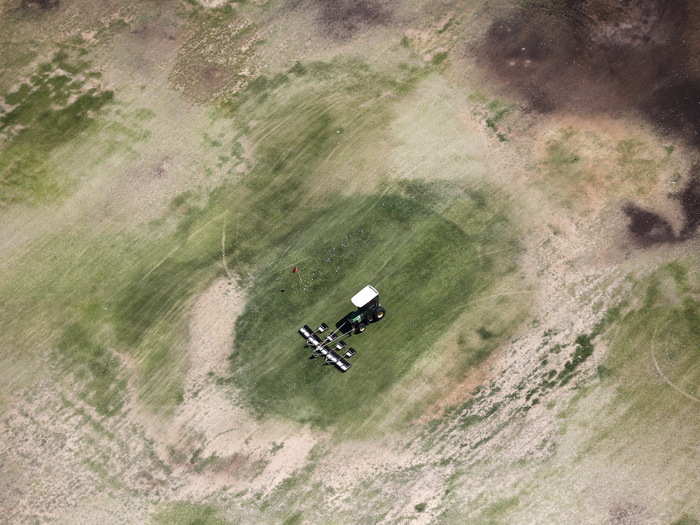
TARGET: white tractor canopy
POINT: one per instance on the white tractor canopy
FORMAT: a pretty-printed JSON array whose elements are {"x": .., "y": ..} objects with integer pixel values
[{"x": 364, "y": 296}]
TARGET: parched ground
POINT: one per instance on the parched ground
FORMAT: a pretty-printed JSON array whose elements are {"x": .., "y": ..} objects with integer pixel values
[{"x": 519, "y": 179}]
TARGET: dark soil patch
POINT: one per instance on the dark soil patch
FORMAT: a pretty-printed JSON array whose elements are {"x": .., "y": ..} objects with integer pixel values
[
  {"x": 690, "y": 204},
  {"x": 602, "y": 56},
  {"x": 649, "y": 228},
  {"x": 342, "y": 19},
  {"x": 40, "y": 4}
]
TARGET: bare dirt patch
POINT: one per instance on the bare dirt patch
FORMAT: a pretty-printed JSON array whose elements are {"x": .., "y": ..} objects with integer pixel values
[{"x": 211, "y": 330}]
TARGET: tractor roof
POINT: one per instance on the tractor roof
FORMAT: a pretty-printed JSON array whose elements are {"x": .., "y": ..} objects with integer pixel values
[{"x": 364, "y": 296}]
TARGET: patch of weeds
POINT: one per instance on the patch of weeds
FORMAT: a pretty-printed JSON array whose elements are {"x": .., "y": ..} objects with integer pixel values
[
  {"x": 446, "y": 26},
  {"x": 405, "y": 42},
  {"x": 493, "y": 112},
  {"x": 583, "y": 350},
  {"x": 295, "y": 519},
  {"x": 497, "y": 111},
  {"x": 211, "y": 141},
  {"x": 560, "y": 157},
  {"x": 500, "y": 508},
  {"x": 101, "y": 470},
  {"x": 298, "y": 69},
  {"x": 612, "y": 315},
  {"x": 420, "y": 507},
  {"x": 633, "y": 163},
  {"x": 430, "y": 193},
  {"x": 182, "y": 201},
  {"x": 603, "y": 372},
  {"x": 555, "y": 349},
  {"x": 488, "y": 437},
  {"x": 87, "y": 418},
  {"x": 438, "y": 58},
  {"x": 202, "y": 73},
  {"x": 686, "y": 519},
  {"x": 95, "y": 367},
  {"x": 484, "y": 333},
  {"x": 470, "y": 419},
  {"x": 53, "y": 107},
  {"x": 183, "y": 513},
  {"x": 204, "y": 463},
  {"x": 679, "y": 273}
]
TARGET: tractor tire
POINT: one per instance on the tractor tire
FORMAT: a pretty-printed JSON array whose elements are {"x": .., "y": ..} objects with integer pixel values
[
  {"x": 381, "y": 312},
  {"x": 360, "y": 327}
]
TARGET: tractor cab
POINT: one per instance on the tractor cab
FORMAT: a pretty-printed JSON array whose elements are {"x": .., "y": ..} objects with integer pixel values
[{"x": 368, "y": 311}]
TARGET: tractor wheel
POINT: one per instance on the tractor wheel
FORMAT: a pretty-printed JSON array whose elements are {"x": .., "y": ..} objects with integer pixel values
[
  {"x": 380, "y": 314},
  {"x": 360, "y": 327}
]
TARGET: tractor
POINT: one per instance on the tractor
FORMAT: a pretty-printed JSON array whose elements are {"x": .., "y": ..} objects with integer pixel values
[{"x": 332, "y": 347}]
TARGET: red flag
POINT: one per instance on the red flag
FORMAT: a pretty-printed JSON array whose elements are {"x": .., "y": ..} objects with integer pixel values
[{"x": 295, "y": 270}]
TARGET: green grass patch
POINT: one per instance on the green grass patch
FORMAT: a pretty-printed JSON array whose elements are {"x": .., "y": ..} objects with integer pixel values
[
  {"x": 661, "y": 336},
  {"x": 54, "y": 106},
  {"x": 426, "y": 267},
  {"x": 95, "y": 367}
]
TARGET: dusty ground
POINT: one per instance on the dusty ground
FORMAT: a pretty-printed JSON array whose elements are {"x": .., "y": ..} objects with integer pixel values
[{"x": 583, "y": 407}]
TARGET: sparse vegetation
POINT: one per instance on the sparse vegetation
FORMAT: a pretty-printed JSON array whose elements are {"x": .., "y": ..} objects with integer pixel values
[
  {"x": 686, "y": 520},
  {"x": 95, "y": 367},
  {"x": 439, "y": 58},
  {"x": 560, "y": 157},
  {"x": 182, "y": 513}
]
